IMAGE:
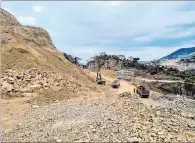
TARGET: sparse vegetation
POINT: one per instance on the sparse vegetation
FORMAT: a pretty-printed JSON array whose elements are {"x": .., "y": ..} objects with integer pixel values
[
  {"x": 126, "y": 62},
  {"x": 187, "y": 75}
]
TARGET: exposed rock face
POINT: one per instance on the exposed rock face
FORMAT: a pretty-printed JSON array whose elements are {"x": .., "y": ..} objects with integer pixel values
[
  {"x": 175, "y": 88},
  {"x": 110, "y": 64},
  {"x": 13, "y": 32},
  {"x": 131, "y": 74},
  {"x": 180, "y": 65},
  {"x": 8, "y": 20},
  {"x": 33, "y": 36},
  {"x": 93, "y": 65}
]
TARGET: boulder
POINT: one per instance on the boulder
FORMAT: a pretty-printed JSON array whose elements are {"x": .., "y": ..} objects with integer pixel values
[
  {"x": 29, "y": 94},
  {"x": 25, "y": 90},
  {"x": 7, "y": 86},
  {"x": 35, "y": 87}
]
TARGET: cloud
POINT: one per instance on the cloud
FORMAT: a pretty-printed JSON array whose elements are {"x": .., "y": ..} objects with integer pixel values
[
  {"x": 37, "y": 8},
  {"x": 145, "y": 53},
  {"x": 27, "y": 20},
  {"x": 143, "y": 39}
]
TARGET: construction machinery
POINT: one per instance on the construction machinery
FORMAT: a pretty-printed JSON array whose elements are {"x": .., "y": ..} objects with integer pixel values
[
  {"x": 142, "y": 91},
  {"x": 99, "y": 79},
  {"x": 115, "y": 84}
]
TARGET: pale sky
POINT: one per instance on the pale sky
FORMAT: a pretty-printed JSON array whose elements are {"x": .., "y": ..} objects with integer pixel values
[{"x": 148, "y": 30}]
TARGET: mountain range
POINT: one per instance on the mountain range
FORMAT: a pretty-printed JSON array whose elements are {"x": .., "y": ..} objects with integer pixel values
[{"x": 182, "y": 53}]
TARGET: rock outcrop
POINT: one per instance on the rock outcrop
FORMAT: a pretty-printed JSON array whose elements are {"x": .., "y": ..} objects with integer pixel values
[
  {"x": 8, "y": 19},
  {"x": 110, "y": 64},
  {"x": 13, "y": 32}
]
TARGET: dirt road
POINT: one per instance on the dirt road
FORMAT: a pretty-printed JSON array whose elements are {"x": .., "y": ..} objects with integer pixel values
[
  {"x": 124, "y": 85},
  {"x": 108, "y": 116},
  {"x": 163, "y": 81}
]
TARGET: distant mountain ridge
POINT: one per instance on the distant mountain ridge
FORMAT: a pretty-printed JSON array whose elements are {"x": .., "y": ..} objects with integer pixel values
[{"x": 182, "y": 53}]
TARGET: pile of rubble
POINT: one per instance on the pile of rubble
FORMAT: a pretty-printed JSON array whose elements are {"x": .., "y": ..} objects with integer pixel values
[
  {"x": 30, "y": 82},
  {"x": 156, "y": 122},
  {"x": 116, "y": 118}
]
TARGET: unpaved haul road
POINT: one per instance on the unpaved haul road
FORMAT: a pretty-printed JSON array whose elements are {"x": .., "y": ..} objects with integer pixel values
[
  {"x": 124, "y": 85},
  {"x": 100, "y": 117},
  {"x": 163, "y": 81}
]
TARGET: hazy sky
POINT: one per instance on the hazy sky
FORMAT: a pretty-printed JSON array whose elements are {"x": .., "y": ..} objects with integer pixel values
[{"x": 149, "y": 30}]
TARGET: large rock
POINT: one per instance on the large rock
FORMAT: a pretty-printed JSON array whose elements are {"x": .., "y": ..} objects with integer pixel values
[{"x": 7, "y": 86}]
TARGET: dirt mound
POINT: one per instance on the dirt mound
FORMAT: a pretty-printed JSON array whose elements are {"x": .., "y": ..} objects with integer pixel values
[{"x": 25, "y": 47}]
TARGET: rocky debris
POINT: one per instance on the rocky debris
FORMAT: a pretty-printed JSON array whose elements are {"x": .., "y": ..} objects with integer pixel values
[
  {"x": 30, "y": 82},
  {"x": 35, "y": 106},
  {"x": 157, "y": 123},
  {"x": 127, "y": 119},
  {"x": 125, "y": 94},
  {"x": 177, "y": 102}
]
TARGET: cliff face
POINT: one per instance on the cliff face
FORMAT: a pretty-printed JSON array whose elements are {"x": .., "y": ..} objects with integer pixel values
[{"x": 110, "y": 64}]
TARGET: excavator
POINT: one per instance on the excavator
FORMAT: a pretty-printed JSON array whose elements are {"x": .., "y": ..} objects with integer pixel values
[{"x": 99, "y": 79}]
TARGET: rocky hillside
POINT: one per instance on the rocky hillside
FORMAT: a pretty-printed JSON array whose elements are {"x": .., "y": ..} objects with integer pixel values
[
  {"x": 26, "y": 47},
  {"x": 8, "y": 20},
  {"x": 178, "y": 64},
  {"x": 14, "y": 32},
  {"x": 182, "y": 59}
]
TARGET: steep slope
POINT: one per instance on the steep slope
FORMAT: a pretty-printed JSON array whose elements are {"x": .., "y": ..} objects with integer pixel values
[
  {"x": 181, "y": 53},
  {"x": 26, "y": 47},
  {"x": 7, "y": 19}
]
